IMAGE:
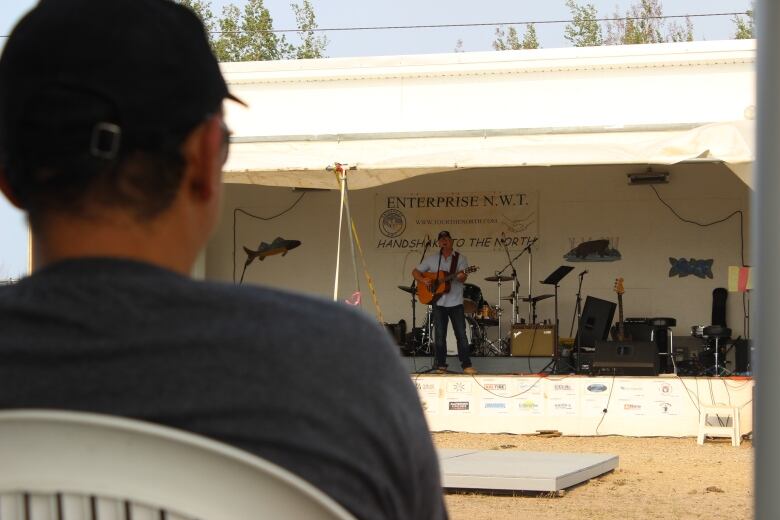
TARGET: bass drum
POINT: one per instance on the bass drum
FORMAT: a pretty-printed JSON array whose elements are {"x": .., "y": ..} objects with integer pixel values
[{"x": 472, "y": 298}]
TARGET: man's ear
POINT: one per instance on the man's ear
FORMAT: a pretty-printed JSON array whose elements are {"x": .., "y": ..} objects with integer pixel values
[
  {"x": 203, "y": 151},
  {"x": 5, "y": 187}
]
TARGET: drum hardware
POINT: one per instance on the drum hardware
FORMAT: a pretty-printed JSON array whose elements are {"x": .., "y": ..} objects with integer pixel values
[
  {"x": 499, "y": 278},
  {"x": 665, "y": 324},
  {"x": 472, "y": 298},
  {"x": 717, "y": 332},
  {"x": 697, "y": 331},
  {"x": 488, "y": 312}
]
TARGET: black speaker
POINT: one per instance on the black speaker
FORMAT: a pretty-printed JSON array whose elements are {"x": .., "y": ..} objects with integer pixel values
[
  {"x": 595, "y": 322},
  {"x": 626, "y": 358}
]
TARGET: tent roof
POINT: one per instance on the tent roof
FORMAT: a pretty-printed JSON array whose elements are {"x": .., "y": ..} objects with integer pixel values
[{"x": 399, "y": 117}]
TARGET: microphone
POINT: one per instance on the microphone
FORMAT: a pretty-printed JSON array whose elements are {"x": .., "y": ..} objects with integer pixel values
[{"x": 584, "y": 272}]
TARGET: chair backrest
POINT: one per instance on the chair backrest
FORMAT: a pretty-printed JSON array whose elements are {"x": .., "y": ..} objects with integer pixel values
[{"x": 74, "y": 466}]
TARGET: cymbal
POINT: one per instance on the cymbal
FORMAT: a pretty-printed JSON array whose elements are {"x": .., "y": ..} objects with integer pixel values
[
  {"x": 498, "y": 278},
  {"x": 406, "y": 288},
  {"x": 487, "y": 322},
  {"x": 538, "y": 298}
]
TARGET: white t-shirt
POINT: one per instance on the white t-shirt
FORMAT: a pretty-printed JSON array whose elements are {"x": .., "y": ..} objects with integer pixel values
[{"x": 431, "y": 265}]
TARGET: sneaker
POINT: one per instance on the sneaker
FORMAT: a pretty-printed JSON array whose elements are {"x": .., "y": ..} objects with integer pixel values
[
  {"x": 440, "y": 370},
  {"x": 470, "y": 371}
]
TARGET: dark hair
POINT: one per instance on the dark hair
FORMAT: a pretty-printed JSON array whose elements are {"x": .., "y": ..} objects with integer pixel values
[{"x": 49, "y": 172}]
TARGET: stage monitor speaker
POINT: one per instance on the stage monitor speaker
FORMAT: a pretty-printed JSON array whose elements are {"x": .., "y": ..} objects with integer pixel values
[
  {"x": 626, "y": 358},
  {"x": 595, "y": 321},
  {"x": 532, "y": 341}
]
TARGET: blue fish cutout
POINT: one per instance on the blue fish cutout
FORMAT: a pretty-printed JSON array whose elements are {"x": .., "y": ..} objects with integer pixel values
[{"x": 684, "y": 267}]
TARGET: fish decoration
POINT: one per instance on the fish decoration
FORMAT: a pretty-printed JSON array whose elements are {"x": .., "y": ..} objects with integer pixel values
[
  {"x": 278, "y": 246},
  {"x": 593, "y": 251},
  {"x": 690, "y": 266}
]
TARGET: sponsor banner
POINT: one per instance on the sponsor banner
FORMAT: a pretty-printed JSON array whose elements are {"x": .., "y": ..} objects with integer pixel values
[
  {"x": 477, "y": 221},
  {"x": 460, "y": 386},
  {"x": 428, "y": 391},
  {"x": 492, "y": 406},
  {"x": 459, "y": 406},
  {"x": 668, "y": 397},
  {"x": 595, "y": 397},
  {"x": 631, "y": 407},
  {"x": 529, "y": 397},
  {"x": 629, "y": 389},
  {"x": 630, "y": 398},
  {"x": 563, "y": 397},
  {"x": 502, "y": 388},
  {"x": 430, "y": 405}
]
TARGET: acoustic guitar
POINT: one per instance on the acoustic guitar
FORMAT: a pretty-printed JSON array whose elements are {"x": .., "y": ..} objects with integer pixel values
[
  {"x": 440, "y": 284},
  {"x": 618, "y": 331}
]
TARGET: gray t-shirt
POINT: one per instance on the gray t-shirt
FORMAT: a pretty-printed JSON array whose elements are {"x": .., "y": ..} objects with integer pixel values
[
  {"x": 431, "y": 264},
  {"x": 312, "y": 386}
]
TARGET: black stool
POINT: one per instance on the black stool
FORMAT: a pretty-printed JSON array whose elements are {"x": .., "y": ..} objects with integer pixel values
[
  {"x": 717, "y": 332},
  {"x": 666, "y": 324}
]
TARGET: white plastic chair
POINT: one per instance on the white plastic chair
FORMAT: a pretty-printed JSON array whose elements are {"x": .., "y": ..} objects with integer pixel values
[{"x": 76, "y": 466}]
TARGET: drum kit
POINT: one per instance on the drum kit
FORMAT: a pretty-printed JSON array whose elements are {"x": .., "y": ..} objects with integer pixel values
[{"x": 481, "y": 318}]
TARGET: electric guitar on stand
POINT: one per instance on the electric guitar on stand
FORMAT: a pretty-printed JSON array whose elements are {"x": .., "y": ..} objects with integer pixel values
[
  {"x": 618, "y": 331},
  {"x": 440, "y": 284}
]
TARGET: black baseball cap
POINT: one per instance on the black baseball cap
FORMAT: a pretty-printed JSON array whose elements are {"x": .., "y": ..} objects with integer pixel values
[
  {"x": 106, "y": 77},
  {"x": 443, "y": 234}
]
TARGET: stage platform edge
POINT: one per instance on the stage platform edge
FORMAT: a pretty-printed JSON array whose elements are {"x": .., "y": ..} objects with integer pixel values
[{"x": 520, "y": 470}]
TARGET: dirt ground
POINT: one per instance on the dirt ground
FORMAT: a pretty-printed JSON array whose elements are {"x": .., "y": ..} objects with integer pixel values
[{"x": 657, "y": 478}]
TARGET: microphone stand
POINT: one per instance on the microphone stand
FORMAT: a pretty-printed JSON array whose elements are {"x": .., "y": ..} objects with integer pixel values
[
  {"x": 578, "y": 316},
  {"x": 530, "y": 272},
  {"x": 515, "y": 287},
  {"x": 414, "y": 295}
]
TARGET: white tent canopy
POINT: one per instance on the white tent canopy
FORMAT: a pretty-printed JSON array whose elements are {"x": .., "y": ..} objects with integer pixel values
[{"x": 399, "y": 117}]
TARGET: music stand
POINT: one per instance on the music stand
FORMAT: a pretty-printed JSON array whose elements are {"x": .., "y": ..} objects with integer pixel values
[{"x": 553, "y": 279}]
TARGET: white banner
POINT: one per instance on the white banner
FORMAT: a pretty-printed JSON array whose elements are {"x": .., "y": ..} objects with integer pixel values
[{"x": 477, "y": 221}]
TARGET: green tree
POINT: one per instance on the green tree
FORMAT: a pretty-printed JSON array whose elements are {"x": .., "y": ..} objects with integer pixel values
[
  {"x": 678, "y": 33},
  {"x": 530, "y": 40},
  {"x": 506, "y": 40},
  {"x": 202, "y": 8},
  {"x": 247, "y": 35},
  {"x": 746, "y": 29},
  {"x": 584, "y": 29},
  {"x": 509, "y": 40},
  {"x": 311, "y": 46},
  {"x": 643, "y": 23}
]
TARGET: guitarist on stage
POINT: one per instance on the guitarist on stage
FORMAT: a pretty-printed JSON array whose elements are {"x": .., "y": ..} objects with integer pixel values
[{"x": 449, "y": 304}]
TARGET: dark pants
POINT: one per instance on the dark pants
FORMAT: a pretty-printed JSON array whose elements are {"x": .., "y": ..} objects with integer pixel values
[{"x": 441, "y": 315}]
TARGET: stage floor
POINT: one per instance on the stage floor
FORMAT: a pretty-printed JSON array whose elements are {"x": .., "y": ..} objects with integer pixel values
[
  {"x": 484, "y": 365},
  {"x": 520, "y": 470}
]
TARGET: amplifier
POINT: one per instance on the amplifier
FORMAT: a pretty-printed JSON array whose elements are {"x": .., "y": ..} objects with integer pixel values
[
  {"x": 532, "y": 341},
  {"x": 626, "y": 358}
]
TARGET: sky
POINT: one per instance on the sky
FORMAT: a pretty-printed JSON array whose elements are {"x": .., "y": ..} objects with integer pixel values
[{"x": 375, "y": 13}]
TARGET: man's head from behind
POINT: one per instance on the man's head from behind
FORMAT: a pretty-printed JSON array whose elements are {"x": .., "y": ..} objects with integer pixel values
[{"x": 97, "y": 98}]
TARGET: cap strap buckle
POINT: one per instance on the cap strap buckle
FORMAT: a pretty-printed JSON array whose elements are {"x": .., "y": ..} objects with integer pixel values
[{"x": 105, "y": 140}]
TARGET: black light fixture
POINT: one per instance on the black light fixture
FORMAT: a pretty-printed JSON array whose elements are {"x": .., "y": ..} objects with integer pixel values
[{"x": 648, "y": 177}]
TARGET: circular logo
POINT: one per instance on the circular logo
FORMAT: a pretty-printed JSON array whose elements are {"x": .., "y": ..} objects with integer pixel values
[{"x": 392, "y": 223}]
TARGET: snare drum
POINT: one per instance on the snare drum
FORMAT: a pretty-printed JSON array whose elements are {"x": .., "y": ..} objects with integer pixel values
[
  {"x": 472, "y": 298},
  {"x": 487, "y": 312}
]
